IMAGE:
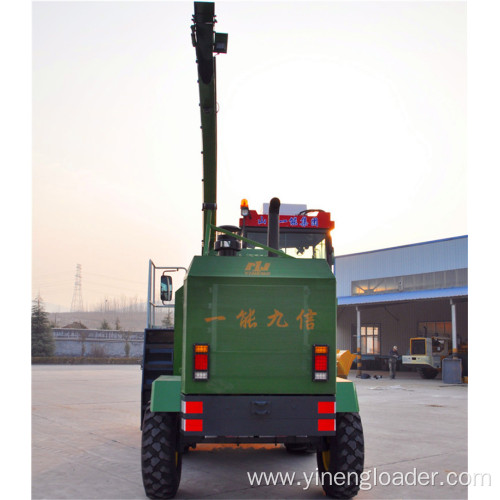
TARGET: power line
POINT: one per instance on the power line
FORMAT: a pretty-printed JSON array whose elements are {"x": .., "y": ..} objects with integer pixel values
[{"x": 117, "y": 279}]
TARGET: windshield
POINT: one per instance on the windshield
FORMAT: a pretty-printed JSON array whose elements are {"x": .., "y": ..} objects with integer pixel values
[{"x": 302, "y": 244}]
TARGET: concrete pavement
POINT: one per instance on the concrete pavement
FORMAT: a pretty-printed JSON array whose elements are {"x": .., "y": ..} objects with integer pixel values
[{"x": 86, "y": 441}]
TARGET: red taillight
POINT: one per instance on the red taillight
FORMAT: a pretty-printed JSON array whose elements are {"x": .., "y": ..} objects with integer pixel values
[
  {"x": 326, "y": 407},
  {"x": 190, "y": 407},
  {"x": 200, "y": 364},
  {"x": 326, "y": 424},
  {"x": 192, "y": 425},
  {"x": 192, "y": 416},
  {"x": 326, "y": 416},
  {"x": 320, "y": 362}
]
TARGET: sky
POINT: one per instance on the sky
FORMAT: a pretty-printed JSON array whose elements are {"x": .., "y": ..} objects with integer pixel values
[{"x": 356, "y": 108}]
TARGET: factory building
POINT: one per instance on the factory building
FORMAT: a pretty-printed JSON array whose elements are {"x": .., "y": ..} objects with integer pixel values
[{"x": 390, "y": 295}]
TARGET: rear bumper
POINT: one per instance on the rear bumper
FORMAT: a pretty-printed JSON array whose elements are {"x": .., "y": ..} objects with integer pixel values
[{"x": 250, "y": 418}]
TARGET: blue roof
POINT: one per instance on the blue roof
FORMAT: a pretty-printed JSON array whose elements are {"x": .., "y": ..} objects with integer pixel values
[{"x": 378, "y": 298}]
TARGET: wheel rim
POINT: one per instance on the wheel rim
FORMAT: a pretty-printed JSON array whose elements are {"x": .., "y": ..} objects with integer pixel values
[{"x": 325, "y": 455}]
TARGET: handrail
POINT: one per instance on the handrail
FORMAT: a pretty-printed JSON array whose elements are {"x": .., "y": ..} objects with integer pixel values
[
  {"x": 207, "y": 233},
  {"x": 252, "y": 242}
]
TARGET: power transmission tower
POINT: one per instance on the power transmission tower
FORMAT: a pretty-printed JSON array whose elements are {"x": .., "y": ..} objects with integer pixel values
[{"x": 77, "y": 302}]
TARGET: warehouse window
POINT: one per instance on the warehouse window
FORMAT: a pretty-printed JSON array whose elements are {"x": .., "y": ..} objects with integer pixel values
[
  {"x": 411, "y": 282},
  {"x": 434, "y": 328},
  {"x": 370, "y": 339}
]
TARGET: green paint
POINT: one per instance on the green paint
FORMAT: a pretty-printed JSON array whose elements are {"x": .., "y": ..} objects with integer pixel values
[
  {"x": 178, "y": 314},
  {"x": 347, "y": 398},
  {"x": 236, "y": 267},
  {"x": 166, "y": 394},
  {"x": 261, "y": 318},
  {"x": 209, "y": 142}
]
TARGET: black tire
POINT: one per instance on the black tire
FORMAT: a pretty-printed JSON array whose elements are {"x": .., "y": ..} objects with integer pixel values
[
  {"x": 343, "y": 460},
  {"x": 428, "y": 373},
  {"x": 161, "y": 462}
]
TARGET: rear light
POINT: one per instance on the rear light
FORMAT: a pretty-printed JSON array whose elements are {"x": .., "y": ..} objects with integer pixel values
[
  {"x": 326, "y": 416},
  {"x": 326, "y": 407},
  {"x": 192, "y": 425},
  {"x": 200, "y": 364},
  {"x": 244, "y": 208},
  {"x": 320, "y": 362},
  {"x": 189, "y": 407},
  {"x": 192, "y": 416}
]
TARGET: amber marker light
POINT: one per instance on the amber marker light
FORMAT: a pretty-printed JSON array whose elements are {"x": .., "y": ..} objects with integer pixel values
[{"x": 244, "y": 208}]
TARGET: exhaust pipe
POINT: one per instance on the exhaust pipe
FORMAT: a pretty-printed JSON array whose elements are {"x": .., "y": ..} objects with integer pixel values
[{"x": 273, "y": 226}]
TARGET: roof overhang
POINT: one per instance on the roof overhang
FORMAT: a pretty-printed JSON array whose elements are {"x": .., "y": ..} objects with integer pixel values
[{"x": 382, "y": 298}]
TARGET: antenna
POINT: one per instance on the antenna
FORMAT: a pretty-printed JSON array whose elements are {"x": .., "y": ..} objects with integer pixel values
[{"x": 77, "y": 302}]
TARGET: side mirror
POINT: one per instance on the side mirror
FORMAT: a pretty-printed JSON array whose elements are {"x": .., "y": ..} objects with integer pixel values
[{"x": 166, "y": 288}]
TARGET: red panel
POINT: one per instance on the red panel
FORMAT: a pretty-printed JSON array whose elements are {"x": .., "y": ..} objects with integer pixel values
[
  {"x": 320, "y": 362},
  {"x": 194, "y": 406},
  {"x": 193, "y": 425},
  {"x": 201, "y": 362},
  {"x": 326, "y": 406},
  {"x": 321, "y": 220},
  {"x": 326, "y": 424}
]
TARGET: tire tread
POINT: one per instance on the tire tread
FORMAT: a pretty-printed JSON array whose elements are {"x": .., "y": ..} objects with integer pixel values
[
  {"x": 346, "y": 456},
  {"x": 160, "y": 472}
]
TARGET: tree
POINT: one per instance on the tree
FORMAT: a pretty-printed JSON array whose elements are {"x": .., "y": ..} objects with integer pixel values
[
  {"x": 83, "y": 338},
  {"x": 53, "y": 323},
  {"x": 78, "y": 325},
  {"x": 117, "y": 324},
  {"x": 42, "y": 339},
  {"x": 167, "y": 319},
  {"x": 104, "y": 325},
  {"x": 126, "y": 337}
]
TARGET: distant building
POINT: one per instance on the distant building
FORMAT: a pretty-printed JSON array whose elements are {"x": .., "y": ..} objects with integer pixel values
[{"x": 401, "y": 292}]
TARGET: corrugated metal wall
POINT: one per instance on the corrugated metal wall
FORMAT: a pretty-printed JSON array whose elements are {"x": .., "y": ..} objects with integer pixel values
[{"x": 440, "y": 255}]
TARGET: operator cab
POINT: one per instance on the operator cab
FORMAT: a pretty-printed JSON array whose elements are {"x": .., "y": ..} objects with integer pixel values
[
  {"x": 303, "y": 233},
  {"x": 439, "y": 345}
]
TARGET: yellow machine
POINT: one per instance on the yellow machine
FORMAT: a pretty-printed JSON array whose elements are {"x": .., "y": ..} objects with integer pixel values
[
  {"x": 344, "y": 362},
  {"x": 427, "y": 353}
]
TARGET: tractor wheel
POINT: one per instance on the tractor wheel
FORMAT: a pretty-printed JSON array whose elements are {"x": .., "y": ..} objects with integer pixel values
[
  {"x": 341, "y": 464},
  {"x": 161, "y": 462},
  {"x": 428, "y": 372}
]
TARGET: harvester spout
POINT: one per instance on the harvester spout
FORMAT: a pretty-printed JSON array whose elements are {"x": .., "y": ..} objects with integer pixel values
[
  {"x": 206, "y": 42},
  {"x": 273, "y": 228}
]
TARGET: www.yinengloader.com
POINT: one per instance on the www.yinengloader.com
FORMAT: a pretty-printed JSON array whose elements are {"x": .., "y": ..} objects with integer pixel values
[{"x": 369, "y": 479}]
